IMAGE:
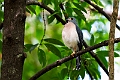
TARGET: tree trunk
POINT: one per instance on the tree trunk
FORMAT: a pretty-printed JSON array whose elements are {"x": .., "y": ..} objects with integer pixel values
[{"x": 13, "y": 40}]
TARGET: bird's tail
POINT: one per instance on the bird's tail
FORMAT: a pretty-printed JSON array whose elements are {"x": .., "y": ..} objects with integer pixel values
[{"x": 78, "y": 63}]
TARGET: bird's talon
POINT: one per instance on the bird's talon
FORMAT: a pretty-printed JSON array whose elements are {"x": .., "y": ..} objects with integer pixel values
[{"x": 73, "y": 54}]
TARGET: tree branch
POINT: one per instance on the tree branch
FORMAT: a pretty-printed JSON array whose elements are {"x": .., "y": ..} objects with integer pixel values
[
  {"x": 111, "y": 38},
  {"x": 42, "y": 5},
  {"x": 107, "y": 12},
  {"x": 63, "y": 60},
  {"x": 100, "y": 10}
]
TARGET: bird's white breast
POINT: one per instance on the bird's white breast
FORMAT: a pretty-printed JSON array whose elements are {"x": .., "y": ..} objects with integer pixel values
[{"x": 70, "y": 36}]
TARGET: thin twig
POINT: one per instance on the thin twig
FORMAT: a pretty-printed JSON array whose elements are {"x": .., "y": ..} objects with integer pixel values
[
  {"x": 100, "y": 10},
  {"x": 63, "y": 60},
  {"x": 44, "y": 28}
]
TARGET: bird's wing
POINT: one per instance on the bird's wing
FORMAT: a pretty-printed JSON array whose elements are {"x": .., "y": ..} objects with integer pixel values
[{"x": 80, "y": 35}]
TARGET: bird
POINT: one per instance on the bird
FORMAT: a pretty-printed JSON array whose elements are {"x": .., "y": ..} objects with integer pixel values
[{"x": 72, "y": 37}]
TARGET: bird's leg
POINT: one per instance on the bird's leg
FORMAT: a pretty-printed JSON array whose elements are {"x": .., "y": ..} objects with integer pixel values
[
  {"x": 73, "y": 53},
  {"x": 78, "y": 63}
]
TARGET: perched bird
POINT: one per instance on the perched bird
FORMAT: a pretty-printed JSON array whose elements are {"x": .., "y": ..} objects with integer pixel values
[{"x": 73, "y": 38}]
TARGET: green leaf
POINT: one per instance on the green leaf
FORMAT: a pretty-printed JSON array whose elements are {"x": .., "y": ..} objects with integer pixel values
[
  {"x": 96, "y": 1},
  {"x": 82, "y": 72},
  {"x": 79, "y": 13},
  {"x": 51, "y": 19},
  {"x": 105, "y": 53},
  {"x": 117, "y": 47},
  {"x": 69, "y": 10},
  {"x": 54, "y": 41},
  {"x": 94, "y": 72},
  {"x": 27, "y": 10},
  {"x": 31, "y": 9},
  {"x": 30, "y": 47},
  {"x": 92, "y": 40},
  {"x": 37, "y": 10},
  {"x": 64, "y": 71},
  {"x": 41, "y": 57},
  {"x": 46, "y": 1},
  {"x": 74, "y": 74},
  {"x": 103, "y": 59},
  {"x": 53, "y": 49},
  {"x": 1, "y": 16},
  {"x": 79, "y": 7}
]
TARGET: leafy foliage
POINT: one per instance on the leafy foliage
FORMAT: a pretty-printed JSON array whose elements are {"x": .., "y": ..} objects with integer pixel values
[{"x": 52, "y": 48}]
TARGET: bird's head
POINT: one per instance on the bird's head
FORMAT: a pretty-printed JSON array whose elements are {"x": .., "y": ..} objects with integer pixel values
[{"x": 71, "y": 19}]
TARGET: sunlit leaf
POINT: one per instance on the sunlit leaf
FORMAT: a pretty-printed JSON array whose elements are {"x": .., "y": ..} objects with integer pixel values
[
  {"x": 37, "y": 10},
  {"x": 53, "y": 49},
  {"x": 54, "y": 41},
  {"x": 30, "y": 47},
  {"x": 42, "y": 57},
  {"x": 79, "y": 7}
]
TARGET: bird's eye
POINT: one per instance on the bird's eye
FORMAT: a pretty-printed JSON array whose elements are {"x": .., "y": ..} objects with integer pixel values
[{"x": 71, "y": 18}]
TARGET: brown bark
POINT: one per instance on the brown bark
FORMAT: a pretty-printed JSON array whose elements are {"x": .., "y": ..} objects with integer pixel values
[
  {"x": 13, "y": 39},
  {"x": 111, "y": 38}
]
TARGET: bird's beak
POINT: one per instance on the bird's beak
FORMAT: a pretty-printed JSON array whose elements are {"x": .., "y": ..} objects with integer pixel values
[{"x": 67, "y": 20}]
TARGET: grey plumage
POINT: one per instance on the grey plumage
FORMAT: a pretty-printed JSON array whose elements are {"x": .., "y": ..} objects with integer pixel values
[{"x": 73, "y": 37}]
